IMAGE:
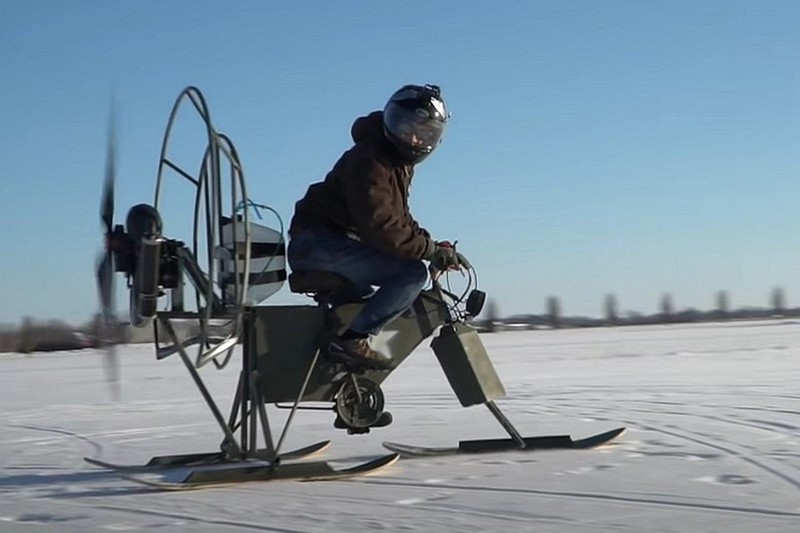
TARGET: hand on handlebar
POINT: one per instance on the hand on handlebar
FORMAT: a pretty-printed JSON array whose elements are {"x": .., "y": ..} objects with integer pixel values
[{"x": 445, "y": 257}]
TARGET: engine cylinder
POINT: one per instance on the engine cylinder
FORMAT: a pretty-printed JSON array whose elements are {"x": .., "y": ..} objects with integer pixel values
[
  {"x": 143, "y": 220},
  {"x": 145, "y": 289}
]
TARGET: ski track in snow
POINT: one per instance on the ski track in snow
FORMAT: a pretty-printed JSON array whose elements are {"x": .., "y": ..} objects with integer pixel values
[{"x": 713, "y": 441}]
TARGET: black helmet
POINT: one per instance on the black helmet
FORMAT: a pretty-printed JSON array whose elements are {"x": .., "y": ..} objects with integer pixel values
[{"x": 414, "y": 120}]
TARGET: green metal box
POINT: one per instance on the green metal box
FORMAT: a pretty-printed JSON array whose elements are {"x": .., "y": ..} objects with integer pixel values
[{"x": 466, "y": 364}]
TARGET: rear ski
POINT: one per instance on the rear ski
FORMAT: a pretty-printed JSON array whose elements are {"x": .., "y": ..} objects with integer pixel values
[{"x": 226, "y": 475}]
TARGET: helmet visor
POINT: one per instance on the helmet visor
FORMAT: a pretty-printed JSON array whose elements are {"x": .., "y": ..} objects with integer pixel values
[{"x": 415, "y": 128}]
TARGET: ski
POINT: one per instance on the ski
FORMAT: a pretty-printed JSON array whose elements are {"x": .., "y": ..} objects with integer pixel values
[
  {"x": 242, "y": 473},
  {"x": 554, "y": 442},
  {"x": 199, "y": 459}
]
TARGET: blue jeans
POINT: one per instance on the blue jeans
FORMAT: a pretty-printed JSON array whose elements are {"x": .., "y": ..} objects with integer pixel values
[{"x": 399, "y": 280}]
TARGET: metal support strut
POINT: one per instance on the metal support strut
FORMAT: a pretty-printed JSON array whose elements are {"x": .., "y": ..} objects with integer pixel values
[
  {"x": 229, "y": 437},
  {"x": 506, "y": 424}
]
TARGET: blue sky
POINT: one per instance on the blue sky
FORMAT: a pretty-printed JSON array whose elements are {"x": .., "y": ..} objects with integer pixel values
[{"x": 626, "y": 147}]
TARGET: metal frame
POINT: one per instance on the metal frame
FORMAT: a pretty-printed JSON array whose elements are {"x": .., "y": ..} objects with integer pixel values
[{"x": 216, "y": 302}]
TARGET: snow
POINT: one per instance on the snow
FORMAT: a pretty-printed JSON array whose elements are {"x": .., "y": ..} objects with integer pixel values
[{"x": 713, "y": 441}]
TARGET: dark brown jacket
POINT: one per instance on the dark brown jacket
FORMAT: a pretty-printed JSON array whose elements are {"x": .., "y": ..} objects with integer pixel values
[{"x": 366, "y": 195}]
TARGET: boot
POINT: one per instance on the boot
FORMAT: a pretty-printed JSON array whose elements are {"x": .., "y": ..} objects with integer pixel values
[{"x": 357, "y": 353}]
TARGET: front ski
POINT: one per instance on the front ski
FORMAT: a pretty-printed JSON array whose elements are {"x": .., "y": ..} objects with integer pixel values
[
  {"x": 243, "y": 473},
  {"x": 555, "y": 442},
  {"x": 199, "y": 459}
]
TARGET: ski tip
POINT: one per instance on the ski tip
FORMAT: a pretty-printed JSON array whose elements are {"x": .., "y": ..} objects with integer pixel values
[
  {"x": 307, "y": 451},
  {"x": 380, "y": 462},
  {"x": 600, "y": 439},
  {"x": 96, "y": 462},
  {"x": 407, "y": 450},
  {"x": 390, "y": 459},
  {"x": 617, "y": 432},
  {"x": 362, "y": 469}
]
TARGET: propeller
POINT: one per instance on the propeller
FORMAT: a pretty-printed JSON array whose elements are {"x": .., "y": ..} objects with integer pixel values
[{"x": 108, "y": 334}]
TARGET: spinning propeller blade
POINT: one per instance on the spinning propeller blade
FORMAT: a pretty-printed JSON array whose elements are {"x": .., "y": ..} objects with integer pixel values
[
  {"x": 105, "y": 265},
  {"x": 105, "y": 285},
  {"x": 107, "y": 200}
]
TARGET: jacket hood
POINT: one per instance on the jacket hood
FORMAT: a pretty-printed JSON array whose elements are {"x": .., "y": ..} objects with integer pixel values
[{"x": 368, "y": 128}]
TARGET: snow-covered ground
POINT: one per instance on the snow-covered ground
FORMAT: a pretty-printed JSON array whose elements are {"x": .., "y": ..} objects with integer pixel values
[{"x": 713, "y": 444}]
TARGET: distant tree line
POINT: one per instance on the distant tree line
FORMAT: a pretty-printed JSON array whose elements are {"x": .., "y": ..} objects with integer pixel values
[
  {"x": 554, "y": 317},
  {"x": 55, "y": 335},
  {"x": 35, "y": 336},
  {"x": 50, "y": 336}
]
